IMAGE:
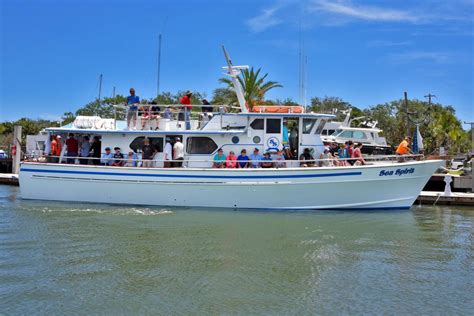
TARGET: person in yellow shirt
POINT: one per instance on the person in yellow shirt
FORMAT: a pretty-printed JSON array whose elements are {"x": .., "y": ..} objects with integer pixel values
[{"x": 404, "y": 147}]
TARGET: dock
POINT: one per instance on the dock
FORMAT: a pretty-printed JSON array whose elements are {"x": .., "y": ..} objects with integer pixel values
[
  {"x": 9, "y": 179},
  {"x": 439, "y": 198}
]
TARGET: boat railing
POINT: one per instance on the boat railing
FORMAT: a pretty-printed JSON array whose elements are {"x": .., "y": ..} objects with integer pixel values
[
  {"x": 174, "y": 112},
  {"x": 366, "y": 160}
]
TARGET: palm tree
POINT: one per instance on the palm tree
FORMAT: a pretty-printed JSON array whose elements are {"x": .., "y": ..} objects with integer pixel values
[{"x": 253, "y": 86}]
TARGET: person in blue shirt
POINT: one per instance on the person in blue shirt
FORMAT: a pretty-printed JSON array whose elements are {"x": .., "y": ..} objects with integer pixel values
[
  {"x": 107, "y": 158},
  {"x": 132, "y": 103},
  {"x": 285, "y": 135},
  {"x": 219, "y": 159},
  {"x": 255, "y": 158},
  {"x": 243, "y": 160}
]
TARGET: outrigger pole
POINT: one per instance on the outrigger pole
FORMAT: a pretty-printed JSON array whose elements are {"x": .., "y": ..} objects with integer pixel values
[{"x": 234, "y": 72}]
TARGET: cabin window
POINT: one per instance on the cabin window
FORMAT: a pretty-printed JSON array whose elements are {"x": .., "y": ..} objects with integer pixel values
[
  {"x": 273, "y": 126},
  {"x": 257, "y": 124},
  {"x": 346, "y": 134},
  {"x": 137, "y": 143},
  {"x": 320, "y": 126},
  {"x": 308, "y": 125},
  {"x": 359, "y": 135},
  {"x": 200, "y": 145}
]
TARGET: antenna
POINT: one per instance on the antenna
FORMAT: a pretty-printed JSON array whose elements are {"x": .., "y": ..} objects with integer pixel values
[
  {"x": 100, "y": 87},
  {"x": 303, "y": 61},
  {"x": 429, "y": 96},
  {"x": 159, "y": 67}
]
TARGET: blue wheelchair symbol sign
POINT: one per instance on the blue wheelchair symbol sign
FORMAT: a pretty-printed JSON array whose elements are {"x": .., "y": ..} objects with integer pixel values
[{"x": 273, "y": 143}]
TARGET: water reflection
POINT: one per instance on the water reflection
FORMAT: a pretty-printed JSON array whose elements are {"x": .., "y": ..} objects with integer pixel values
[{"x": 69, "y": 257}]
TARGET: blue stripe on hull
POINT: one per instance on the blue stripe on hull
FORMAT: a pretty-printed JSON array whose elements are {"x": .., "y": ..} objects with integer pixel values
[{"x": 191, "y": 176}]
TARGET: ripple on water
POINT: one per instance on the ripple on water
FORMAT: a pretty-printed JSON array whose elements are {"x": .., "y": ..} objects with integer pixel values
[{"x": 70, "y": 258}]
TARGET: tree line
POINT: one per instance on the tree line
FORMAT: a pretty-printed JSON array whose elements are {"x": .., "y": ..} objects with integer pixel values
[{"x": 438, "y": 123}]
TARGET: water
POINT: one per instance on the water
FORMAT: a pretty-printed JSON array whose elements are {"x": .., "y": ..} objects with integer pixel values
[{"x": 71, "y": 258}]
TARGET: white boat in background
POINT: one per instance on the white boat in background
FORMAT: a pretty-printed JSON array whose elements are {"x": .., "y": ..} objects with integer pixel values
[
  {"x": 368, "y": 135},
  {"x": 383, "y": 185}
]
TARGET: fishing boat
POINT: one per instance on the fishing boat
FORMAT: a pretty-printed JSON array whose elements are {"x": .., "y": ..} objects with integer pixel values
[{"x": 196, "y": 184}]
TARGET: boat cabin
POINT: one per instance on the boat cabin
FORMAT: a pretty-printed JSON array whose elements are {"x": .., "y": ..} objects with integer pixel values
[{"x": 230, "y": 131}]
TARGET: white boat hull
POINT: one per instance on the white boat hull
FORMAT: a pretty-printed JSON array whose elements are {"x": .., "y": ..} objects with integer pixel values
[{"x": 391, "y": 185}]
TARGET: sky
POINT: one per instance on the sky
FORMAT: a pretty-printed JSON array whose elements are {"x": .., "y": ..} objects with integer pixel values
[{"x": 366, "y": 52}]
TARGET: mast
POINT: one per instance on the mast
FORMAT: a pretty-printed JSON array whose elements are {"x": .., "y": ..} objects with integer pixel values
[{"x": 234, "y": 72}]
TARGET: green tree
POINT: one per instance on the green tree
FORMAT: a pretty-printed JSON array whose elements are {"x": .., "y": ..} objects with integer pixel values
[
  {"x": 335, "y": 105},
  {"x": 438, "y": 124},
  {"x": 224, "y": 96},
  {"x": 254, "y": 86}
]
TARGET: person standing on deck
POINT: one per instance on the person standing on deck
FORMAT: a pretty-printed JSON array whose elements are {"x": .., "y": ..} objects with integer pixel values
[
  {"x": 186, "y": 100},
  {"x": 56, "y": 147},
  {"x": 72, "y": 146},
  {"x": 96, "y": 150},
  {"x": 168, "y": 153},
  {"x": 84, "y": 151},
  {"x": 178, "y": 153},
  {"x": 148, "y": 152},
  {"x": 132, "y": 103},
  {"x": 206, "y": 109},
  {"x": 350, "y": 152}
]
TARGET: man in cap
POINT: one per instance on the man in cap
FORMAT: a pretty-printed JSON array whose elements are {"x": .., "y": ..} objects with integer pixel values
[
  {"x": 178, "y": 152},
  {"x": 266, "y": 161},
  {"x": 186, "y": 100},
  {"x": 132, "y": 114},
  {"x": 118, "y": 156}
]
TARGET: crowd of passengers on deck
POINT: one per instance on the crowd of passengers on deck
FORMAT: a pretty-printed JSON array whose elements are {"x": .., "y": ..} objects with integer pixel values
[
  {"x": 139, "y": 114},
  {"x": 86, "y": 152}
]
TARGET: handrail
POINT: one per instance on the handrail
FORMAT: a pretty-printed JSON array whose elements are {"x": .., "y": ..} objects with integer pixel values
[{"x": 368, "y": 158}]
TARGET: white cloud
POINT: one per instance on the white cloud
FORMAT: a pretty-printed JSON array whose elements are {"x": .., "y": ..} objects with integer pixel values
[
  {"x": 265, "y": 20},
  {"x": 50, "y": 117},
  {"x": 384, "y": 43},
  {"x": 415, "y": 56},
  {"x": 363, "y": 12}
]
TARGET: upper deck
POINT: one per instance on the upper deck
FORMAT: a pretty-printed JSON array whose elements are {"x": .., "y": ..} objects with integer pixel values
[{"x": 200, "y": 123}]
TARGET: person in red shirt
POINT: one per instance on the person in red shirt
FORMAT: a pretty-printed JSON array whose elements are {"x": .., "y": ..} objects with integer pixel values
[
  {"x": 186, "y": 100},
  {"x": 72, "y": 148},
  {"x": 55, "y": 149}
]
